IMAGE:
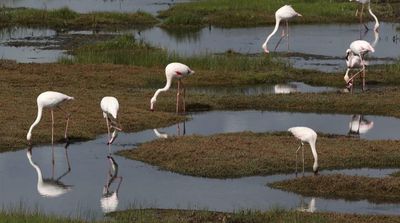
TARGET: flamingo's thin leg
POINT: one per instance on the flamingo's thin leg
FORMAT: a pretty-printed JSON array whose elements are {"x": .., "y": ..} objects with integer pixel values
[
  {"x": 67, "y": 116},
  {"x": 287, "y": 34},
  {"x": 302, "y": 148},
  {"x": 108, "y": 134},
  {"x": 177, "y": 97},
  {"x": 297, "y": 150},
  {"x": 52, "y": 137}
]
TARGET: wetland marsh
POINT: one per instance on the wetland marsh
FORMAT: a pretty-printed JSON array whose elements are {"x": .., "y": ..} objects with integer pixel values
[{"x": 229, "y": 158}]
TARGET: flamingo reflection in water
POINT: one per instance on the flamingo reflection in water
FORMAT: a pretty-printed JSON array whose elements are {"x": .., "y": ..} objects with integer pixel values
[
  {"x": 109, "y": 198},
  {"x": 285, "y": 88},
  {"x": 359, "y": 125},
  {"x": 50, "y": 187},
  {"x": 180, "y": 132},
  {"x": 309, "y": 208}
]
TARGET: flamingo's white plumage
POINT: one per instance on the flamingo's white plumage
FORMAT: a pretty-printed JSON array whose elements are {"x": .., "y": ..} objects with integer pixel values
[
  {"x": 305, "y": 134},
  {"x": 355, "y": 59},
  {"x": 285, "y": 13},
  {"x": 173, "y": 71},
  {"x": 49, "y": 99},
  {"x": 110, "y": 106}
]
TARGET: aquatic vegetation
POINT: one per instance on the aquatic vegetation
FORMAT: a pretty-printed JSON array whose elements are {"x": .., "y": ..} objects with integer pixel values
[
  {"x": 339, "y": 186},
  {"x": 64, "y": 19},
  {"x": 248, "y": 154},
  {"x": 240, "y": 13}
]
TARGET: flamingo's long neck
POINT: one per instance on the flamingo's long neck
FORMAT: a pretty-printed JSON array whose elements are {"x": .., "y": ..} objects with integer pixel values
[
  {"x": 38, "y": 118},
  {"x": 346, "y": 76},
  {"x": 38, "y": 171},
  {"x": 270, "y": 35},
  {"x": 167, "y": 86},
  {"x": 376, "y": 35},
  {"x": 314, "y": 152},
  {"x": 373, "y": 15}
]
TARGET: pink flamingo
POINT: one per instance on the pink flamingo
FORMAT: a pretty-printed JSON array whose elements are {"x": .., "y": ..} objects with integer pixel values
[
  {"x": 110, "y": 106},
  {"x": 286, "y": 13},
  {"x": 178, "y": 71}
]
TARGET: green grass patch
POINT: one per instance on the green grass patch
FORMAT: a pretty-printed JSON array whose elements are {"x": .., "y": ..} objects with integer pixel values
[
  {"x": 242, "y": 13},
  {"x": 248, "y": 154},
  {"x": 337, "y": 186},
  {"x": 229, "y": 68},
  {"x": 66, "y": 19},
  {"x": 276, "y": 215}
]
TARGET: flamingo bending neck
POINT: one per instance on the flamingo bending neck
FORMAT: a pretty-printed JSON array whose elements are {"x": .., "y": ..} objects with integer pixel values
[
  {"x": 264, "y": 46},
  {"x": 154, "y": 98},
  {"x": 373, "y": 15},
  {"x": 38, "y": 118}
]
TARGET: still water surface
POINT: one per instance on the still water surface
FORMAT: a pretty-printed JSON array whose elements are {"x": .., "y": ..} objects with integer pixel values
[{"x": 82, "y": 191}]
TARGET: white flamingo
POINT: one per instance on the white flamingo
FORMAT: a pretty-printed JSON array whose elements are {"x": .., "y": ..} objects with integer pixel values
[
  {"x": 305, "y": 134},
  {"x": 363, "y": 2},
  {"x": 110, "y": 106},
  {"x": 285, "y": 13},
  {"x": 51, "y": 100},
  {"x": 161, "y": 135},
  {"x": 355, "y": 59},
  {"x": 359, "y": 125},
  {"x": 178, "y": 71}
]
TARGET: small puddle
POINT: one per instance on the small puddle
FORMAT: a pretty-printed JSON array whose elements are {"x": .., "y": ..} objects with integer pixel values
[
  {"x": 84, "y": 6},
  {"x": 94, "y": 186}
]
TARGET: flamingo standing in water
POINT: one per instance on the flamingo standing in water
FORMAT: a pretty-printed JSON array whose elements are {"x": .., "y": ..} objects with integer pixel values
[
  {"x": 363, "y": 2},
  {"x": 355, "y": 59},
  {"x": 110, "y": 106},
  {"x": 178, "y": 71},
  {"x": 50, "y": 99},
  {"x": 305, "y": 134},
  {"x": 285, "y": 13}
]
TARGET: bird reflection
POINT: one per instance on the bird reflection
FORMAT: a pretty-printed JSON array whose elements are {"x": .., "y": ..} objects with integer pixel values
[
  {"x": 359, "y": 125},
  {"x": 50, "y": 187},
  {"x": 180, "y": 131},
  {"x": 285, "y": 88},
  {"x": 161, "y": 135},
  {"x": 109, "y": 198},
  {"x": 307, "y": 208}
]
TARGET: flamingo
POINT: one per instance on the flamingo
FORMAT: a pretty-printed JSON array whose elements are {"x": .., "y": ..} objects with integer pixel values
[
  {"x": 359, "y": 125},
  {"x": 178, "y": 71},
  {"x": 355, "y": 59},
  {"x": 50, "y": 187},
  {"x": 50, "y": 99},
  {"x": 110, "y": 106},
  {"x": 109, "y": 200},
  {"x": 285, "y": 13},
  {"x": 363, "y": 2},
  {"x": 160, "y": 135},
  {"x": 305, "y": 134}
]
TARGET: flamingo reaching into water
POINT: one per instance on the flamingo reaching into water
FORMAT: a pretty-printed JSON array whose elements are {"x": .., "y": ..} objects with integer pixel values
[
  {"x": 110, "y": 106},
  {"x": 355, "y": 59},
  {"x": 178, "y": 71},
  {"x": 285, "y": 13},
  {"x": 305, "y": 134},
  {"x": 363, "y": 2},
  {"x": 50, "y": 99}
]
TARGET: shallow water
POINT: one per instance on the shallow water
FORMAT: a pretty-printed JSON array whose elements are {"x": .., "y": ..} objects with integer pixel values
[
  {"x": 143, "y": 185},
  {"x": 322, "y": 50},
  {"x": 150, "y": 6},
  {"x": 29, "y": 54},
  {"x": 291, "y": 87}
]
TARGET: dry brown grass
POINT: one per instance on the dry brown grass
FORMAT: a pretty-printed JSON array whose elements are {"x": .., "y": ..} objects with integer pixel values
[
  {"x": 347, "y": 187},
  {"x": 246, "y": 154},
  {"x": 22, "y": 83}
]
